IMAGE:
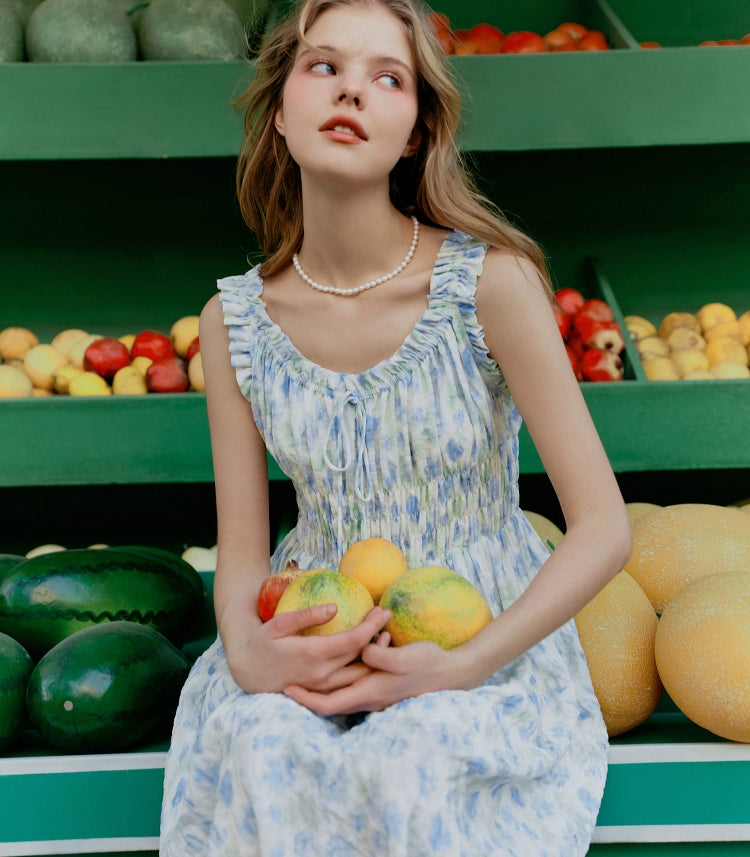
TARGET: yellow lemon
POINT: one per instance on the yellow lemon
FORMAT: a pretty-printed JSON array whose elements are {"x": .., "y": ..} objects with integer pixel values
[{"x": 374, "y": 562}]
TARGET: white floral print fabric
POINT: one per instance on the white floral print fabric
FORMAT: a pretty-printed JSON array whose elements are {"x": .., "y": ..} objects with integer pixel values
[{"x": 421, "y": 449}]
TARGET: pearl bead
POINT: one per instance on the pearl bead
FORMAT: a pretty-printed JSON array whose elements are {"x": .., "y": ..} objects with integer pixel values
[{"x": 357, "y": 289}]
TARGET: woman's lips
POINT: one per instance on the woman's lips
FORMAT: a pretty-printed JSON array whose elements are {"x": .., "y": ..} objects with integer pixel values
[{"x": 344, "y": 130}]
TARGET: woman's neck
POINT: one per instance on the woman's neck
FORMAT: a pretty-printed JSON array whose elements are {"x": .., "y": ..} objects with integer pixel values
[{"x": 349, "y": 241}]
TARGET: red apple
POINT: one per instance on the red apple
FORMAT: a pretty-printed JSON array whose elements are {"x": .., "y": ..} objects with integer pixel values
[
  {"x": 272, "y": 588},
  {"x": 152, "y": 344},
  {"x": 523, "y": 42},
  {"x": 193, "y": 349},
  {"x": 105, "y": 357},
  {"x": 594, "y": 40},
  {"x": 167, "y": 375},
  {"x": 569, "y": 299}
]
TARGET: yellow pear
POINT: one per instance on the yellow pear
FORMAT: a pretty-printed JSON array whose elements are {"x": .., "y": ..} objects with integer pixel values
[
  {"x": 183, "y": 332},
  {"x": 129, "y": 381},
  {"x": 89, "y": 384},
  {"x": 14, "y": 383},
  {"x": 16, "y": 341},
  {"x": 40, "y": 363}
]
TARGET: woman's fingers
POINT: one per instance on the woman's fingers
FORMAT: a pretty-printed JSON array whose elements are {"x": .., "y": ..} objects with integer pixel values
[{"x": 287, "y": 624}]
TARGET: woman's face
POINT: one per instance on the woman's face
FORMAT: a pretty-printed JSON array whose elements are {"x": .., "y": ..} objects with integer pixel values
[{"x": 349, "y": 105}]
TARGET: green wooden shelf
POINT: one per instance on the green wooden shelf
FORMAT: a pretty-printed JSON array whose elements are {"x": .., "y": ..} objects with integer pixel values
[
  {"x": 621, "y": 97},
  {"x": 666, "y": 784},
  {"x": 644, "y": 425}
]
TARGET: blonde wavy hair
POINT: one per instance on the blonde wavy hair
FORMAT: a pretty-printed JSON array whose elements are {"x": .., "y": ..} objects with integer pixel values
[{"x": 434, "y": 183}]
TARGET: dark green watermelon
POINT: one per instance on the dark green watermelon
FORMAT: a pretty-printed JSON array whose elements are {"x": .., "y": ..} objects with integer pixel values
[
  {"x": 8, "y": 561},
  {"x": 105, "y": 688},
  {"x": 15, "y": 668},
  {"x": 47, "y": 598}
]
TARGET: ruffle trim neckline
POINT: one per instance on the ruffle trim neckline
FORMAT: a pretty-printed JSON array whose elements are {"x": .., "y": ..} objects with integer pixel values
[{"x": 458, "y": 264}]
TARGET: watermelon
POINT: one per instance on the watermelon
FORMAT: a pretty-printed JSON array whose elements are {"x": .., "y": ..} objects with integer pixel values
[
  {"x": 9, "y": 561},
  {"x": 15, "y": 668},
  {"x": 106, "y": 687},
  {"x": 47, "y": 598}
]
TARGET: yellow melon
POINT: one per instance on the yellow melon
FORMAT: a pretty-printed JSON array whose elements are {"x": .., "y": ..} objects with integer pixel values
[
  {"x": 678, "y": 543},
  {"x": 547, "y": 531},
  {"x": 637, "y": 508},
  {"x": 617, "y": 630},
  {"x": 375, "y": 562},
  {"x": 435, "y": 604},
  {"x": 703, "y": 652},
  {"x": 324, "y": 586}
]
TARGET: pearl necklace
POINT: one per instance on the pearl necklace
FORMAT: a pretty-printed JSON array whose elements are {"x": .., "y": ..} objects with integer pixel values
[{"x": 355, "y": 291}]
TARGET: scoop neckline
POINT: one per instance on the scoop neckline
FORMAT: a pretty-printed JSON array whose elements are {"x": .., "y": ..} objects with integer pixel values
[{"x": 387, "y": 368}]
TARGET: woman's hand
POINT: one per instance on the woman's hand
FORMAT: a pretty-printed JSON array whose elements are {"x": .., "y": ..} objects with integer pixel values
[
  {"x": 273, "y": 655},
  {"x": 392, "y": 674}
]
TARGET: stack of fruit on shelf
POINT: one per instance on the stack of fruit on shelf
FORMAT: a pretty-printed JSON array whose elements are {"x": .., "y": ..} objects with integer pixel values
[
  {"x": 128, "y": 30},
  {"x": 708, "y": 43},
  {"x": 92, "y": 644},
  {"x": 709, "y": 344},
  {"x": 677, "y": 618},
  {"x": 78, "y": 363},
  {"x": 592, "y": 337},
  {"x": 485, "y": 38}
]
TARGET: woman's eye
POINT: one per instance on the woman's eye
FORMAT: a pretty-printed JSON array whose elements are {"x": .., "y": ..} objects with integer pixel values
[
  {"x": 390, "y": 80},
  {"x": 322, "y": 67}
]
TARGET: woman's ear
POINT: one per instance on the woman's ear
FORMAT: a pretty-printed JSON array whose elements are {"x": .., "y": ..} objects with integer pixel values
[
  {"x": 412, "y": 146},
  {"x": 278, "y": 120}
]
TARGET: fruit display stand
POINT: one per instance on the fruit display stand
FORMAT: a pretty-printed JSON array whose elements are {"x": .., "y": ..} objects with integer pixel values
[
  {"x": 628, "y": 165},
  {"x": 670, "y": 784}
]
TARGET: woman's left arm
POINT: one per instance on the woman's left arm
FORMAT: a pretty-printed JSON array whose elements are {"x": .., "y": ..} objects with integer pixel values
[{"x": 522, "y": 336}]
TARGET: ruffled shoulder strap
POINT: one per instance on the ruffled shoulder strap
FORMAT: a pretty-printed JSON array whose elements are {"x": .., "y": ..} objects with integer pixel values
[
  {"x": 240, "y": 298},
  {"x": 458, "y": 266}
]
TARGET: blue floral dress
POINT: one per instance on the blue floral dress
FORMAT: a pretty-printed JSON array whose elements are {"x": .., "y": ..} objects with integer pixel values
[{"x": 422, "y": 449}]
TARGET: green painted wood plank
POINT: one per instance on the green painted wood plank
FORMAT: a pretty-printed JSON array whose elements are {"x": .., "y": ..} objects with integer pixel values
[
  {"x": 81, "y": 805},
  {"x": 619, "y": 97},
  {"x": 666, "y": 793}
]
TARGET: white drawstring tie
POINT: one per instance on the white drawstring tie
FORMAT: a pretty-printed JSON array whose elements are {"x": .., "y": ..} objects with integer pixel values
[{"x": 351, "y": 451}]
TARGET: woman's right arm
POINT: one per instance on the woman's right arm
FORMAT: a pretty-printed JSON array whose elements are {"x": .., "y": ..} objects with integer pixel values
[{"x": 261, "y": 656}]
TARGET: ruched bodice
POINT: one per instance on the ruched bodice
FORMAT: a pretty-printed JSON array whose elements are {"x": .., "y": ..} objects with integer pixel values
[{"x": 421, "y": 449}]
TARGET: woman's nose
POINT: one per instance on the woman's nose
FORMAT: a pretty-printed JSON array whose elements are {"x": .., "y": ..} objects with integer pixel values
[{"x": 350, "y": 93}]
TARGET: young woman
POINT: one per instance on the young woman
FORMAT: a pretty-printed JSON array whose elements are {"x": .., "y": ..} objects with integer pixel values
[{"x": 384, "y": 353}]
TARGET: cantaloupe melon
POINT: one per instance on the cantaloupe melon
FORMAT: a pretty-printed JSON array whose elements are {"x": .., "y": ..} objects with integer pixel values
[
  {"x": 702, "y": 652},
  {"x": 617, "y": 629},
  {"x": 547, "y": 531},
  {"x": 679, "y": 543},
  {"x": 637, "y": 508}
]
